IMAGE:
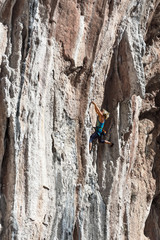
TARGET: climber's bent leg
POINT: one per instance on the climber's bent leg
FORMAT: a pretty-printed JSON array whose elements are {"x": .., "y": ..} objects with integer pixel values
[
  {"x": 105, "y": 141},
  {"x": 92, "y": 137},
  {"x": 110, "y": 143}
]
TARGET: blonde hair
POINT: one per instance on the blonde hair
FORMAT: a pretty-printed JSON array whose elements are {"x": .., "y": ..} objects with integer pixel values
[{"x": 105, "y": 114}]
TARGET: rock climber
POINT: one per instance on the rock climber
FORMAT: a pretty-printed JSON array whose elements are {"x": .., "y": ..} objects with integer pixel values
[{"x": 99, "y": 132}]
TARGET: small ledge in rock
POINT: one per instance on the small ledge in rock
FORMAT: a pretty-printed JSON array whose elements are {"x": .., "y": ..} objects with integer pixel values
[
  {"x": 45, "y": 187},
  {"x": 45, "y": 224}
]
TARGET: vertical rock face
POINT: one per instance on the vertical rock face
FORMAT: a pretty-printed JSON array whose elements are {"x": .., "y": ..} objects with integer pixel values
[{"x": 57, "y": 56}]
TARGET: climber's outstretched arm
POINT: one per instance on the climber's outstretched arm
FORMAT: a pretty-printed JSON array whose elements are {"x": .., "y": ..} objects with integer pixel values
[{"x": 100, "y": 114}]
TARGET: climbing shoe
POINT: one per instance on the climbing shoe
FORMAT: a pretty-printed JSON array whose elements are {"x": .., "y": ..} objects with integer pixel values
[{"x": 112, "y": 144}]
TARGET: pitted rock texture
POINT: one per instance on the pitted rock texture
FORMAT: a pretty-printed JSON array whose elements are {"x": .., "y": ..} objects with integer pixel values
[{"x": 56, "y": 57}]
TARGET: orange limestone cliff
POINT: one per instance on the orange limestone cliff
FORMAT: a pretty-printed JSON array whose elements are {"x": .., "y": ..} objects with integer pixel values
[{"x": 56, "y": 57}]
